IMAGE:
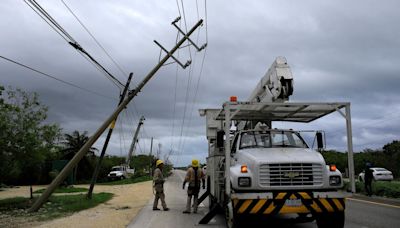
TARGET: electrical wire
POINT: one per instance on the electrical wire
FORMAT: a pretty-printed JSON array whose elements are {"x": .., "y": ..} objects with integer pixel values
[
  {"x": 186, "y": 29},
  {"x": 94, "y": 38},
  {"x": 55, "y": 78},
  {"x": 67, "y": 37}
]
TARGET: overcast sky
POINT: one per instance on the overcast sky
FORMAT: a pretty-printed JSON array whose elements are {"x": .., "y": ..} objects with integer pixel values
[{"x": 337, "y": 50}]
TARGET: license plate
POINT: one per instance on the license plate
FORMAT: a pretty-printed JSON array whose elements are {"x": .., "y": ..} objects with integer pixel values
[{"x": 293, "y": 203}]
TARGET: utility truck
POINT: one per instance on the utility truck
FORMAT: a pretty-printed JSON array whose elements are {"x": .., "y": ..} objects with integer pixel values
[
  {"x": 256, "y": 171},
  {"x": 120, "y": 172}
]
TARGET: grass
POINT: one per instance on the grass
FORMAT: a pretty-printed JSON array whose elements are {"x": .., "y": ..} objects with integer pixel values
[
  {"x": 128, "y": 181},
  {"x": 64, "y": 190},
  {"x": 380, "y": 188},
  {"x": 57, "y": 206}
]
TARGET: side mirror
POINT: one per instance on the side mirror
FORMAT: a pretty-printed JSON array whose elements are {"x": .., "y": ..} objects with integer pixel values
[
  {"x": 220, "y": 139},
  {"x": 320, "y": 140}
]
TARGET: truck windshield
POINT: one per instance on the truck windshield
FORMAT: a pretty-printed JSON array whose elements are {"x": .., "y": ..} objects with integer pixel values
[
  {"x": 116, "y": 169},
  {"x": 269, "y": 139}
]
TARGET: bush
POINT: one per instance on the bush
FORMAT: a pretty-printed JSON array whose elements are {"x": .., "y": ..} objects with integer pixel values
[{"x": 379, "y": 188}]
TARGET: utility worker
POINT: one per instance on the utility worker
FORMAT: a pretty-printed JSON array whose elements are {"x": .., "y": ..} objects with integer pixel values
[
  {"x": 368, "y": 176},
  {"x": 158, "y": 185},
  {"x": 193, "y": 175}
]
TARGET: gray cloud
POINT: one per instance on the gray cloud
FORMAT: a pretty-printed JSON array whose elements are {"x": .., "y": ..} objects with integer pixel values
[{"x": 337, "y": 52}]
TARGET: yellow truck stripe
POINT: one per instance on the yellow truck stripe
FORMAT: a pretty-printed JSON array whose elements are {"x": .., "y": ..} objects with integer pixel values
[
  {"x": 281, "y": 195},
  {"x": 304, "y": 195},
  {"x": 326, "y": 205},
  {"x": 338, "y": 204},
  {"x": 269, "y": 209},
  {"x": 245, "y": 205},
  {"x": 315, "y": 207},
  {"x": 258, "y": 206}
]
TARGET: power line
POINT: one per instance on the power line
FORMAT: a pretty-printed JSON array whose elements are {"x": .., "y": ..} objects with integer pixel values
[
  {"x": 67, "y": 37},
  {"x": 94, "y": 38},
  {"x": 57, "y": 79}
]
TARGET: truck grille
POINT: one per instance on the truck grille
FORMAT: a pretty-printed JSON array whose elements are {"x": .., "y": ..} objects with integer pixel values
[{"x": 290, "y": 174}]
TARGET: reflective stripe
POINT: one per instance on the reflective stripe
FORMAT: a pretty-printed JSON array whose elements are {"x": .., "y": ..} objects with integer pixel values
[
  {"x": 244, "y": 206},
  {"x": 258, "y": 206},
  {"x": 293, "y": 197},
  {"x": 327, "y": 205},
  {"x": 304, "y": 195},
  {"x": 281, "y": 195},
  {"x": 338, "y": 204},
  {"x": 315, "y": 207},
  {"x": 269, "y": 209}
]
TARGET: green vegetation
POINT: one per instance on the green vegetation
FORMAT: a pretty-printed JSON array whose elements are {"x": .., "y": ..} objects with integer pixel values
[
  {"x": 64, "y": 190},
  {"x": 26, "y": 141},
  {"x": 33, "y": 151},
  {"x": 57, "y": 206},
  {"x": 388, "y": 157},
  {"x": 379, "y": 188},
  {"x": 128, "y": 180}
]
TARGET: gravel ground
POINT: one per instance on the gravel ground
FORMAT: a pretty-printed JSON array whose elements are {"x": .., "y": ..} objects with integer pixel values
[{"x": 118, "y": 212}]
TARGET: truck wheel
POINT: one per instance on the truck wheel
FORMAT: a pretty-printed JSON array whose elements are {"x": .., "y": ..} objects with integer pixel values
[
  {"x": 122, "y": 177},
  {"x": 232, "y": 221},
  {"x": 330, "y": 220}
]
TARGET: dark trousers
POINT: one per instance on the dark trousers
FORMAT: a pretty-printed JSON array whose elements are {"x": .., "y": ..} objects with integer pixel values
[{"x": 368, "y": 187}]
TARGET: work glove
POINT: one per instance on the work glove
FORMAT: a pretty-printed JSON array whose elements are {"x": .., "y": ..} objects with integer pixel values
[
  {"x": 183, "y": 186},
  {"x": 204, "y": 187}
]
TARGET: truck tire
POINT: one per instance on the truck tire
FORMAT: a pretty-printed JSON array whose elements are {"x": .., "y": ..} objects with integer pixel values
[
  {"x": 232, "y": 220},
  {"x": 330, "y": 220}
]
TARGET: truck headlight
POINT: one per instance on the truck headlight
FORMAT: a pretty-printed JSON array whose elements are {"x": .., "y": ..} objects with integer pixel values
[
  {"x": 335, "y": 180},
  {"x": 244, "y": 181}
]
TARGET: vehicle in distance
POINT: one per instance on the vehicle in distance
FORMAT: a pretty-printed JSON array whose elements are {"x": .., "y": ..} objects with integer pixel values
[
  {"x": 120, "y": 172},
  {"x": 379, "y": 174}
]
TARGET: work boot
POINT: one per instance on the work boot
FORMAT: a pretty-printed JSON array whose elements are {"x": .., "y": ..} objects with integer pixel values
[
  {"x": 166, "y": 209},
  {"x": 186, "y": 212},
  {"x": 156, "y": 209}
]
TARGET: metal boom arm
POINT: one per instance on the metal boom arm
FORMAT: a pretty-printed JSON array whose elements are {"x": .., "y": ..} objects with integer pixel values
[{"x": 128, "y": 159}]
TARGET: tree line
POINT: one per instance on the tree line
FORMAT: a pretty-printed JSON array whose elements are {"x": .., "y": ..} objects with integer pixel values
[
  {"x": 29, "y": 145},
  {"x": 388, "y": 157}
]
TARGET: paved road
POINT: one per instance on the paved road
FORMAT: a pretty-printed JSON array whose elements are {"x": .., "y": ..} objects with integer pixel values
[
  {"x": 176, "y": 201},
  {"x": 361, "y": 212}
]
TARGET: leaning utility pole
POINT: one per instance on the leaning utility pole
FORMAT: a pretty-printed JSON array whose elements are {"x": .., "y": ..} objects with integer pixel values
[
  {"x": 103, "y": 151},
  {"x": 78, "y": 156},
  {"x": 128, "y": 159}
]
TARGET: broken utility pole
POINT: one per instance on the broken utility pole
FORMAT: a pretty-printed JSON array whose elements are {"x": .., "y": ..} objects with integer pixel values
[
  {"x": 103, "y": 151},
  {"x": 78, "y": 156}
]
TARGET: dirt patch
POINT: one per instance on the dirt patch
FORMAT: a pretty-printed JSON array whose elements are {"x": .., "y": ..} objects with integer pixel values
[{"x": 118, "y": 212}]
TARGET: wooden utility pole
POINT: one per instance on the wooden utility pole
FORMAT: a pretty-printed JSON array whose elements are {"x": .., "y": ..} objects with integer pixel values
[
  {"x": 82, "y": 152},
  {"x": 103, "y": 151}
]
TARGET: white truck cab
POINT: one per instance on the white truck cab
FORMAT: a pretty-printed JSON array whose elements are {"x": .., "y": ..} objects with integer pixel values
[
  {"x": 278, "y": 160},
  {"x": 120, "y": 172}
]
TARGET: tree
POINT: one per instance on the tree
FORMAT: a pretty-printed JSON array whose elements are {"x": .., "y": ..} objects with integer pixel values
[
  {"x": 72, "y": 144},
  {"x": 25, "y": 140}
]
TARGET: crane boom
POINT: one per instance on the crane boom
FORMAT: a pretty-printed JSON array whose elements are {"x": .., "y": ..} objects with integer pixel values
[
  {"x": 128, "y": 159},
  {"x": 276, "y": 85}
]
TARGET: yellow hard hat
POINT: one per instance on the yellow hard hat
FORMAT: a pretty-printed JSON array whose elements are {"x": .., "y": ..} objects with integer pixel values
[
  {"x": 159, "y": 162},
  {"x": 195, "y": 163}
]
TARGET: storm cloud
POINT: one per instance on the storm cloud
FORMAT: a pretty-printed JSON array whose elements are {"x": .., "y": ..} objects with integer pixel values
[{"x": 337, "y": 50}]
